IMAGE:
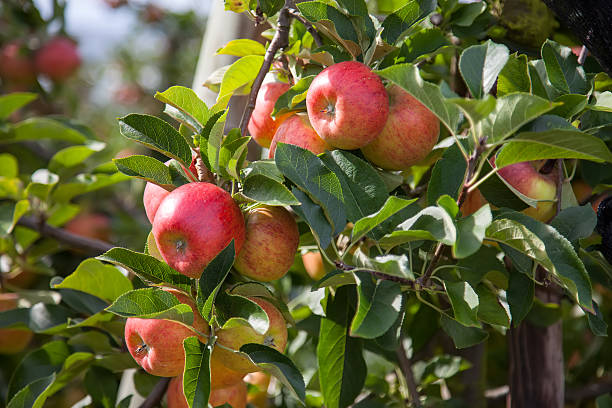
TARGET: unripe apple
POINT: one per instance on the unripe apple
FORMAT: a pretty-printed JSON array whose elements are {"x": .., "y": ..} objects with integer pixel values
[
  {"x": 409, "y": 135},
  {"x": 16, "y": 66},
  {"x": 58, "y": 59},
  {"x": 262, "y": 126},
  {"x": 296, "y": 130},
  {"x": 347, "y": 105},
  {"x": 313, "y": 264},
  {"x": 237, "y": 336},
  {"x": 235, "y": 395},
  {"x": 272, "y": 237},
  {"x": 528, "y": 180},
  {"x": 12, "y": 340},
  {"x": 157, "y": 344},
  {"x": 194, "y": 223}
]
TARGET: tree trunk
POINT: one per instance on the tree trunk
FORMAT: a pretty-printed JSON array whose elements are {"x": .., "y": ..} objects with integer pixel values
[{"x": 474, "y": 378}]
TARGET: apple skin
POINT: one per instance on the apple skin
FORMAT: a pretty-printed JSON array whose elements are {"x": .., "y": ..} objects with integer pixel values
[
  {"x": 258, "y": 395},
  {"x": 472, "y": 203},
  {"x": 262, "y": 126},
  {"x": 152, "y": 197},
  {"x": 12, "y": 340},
  {"x": 235, "y": 395},
  {"x": 237, "y": 336},
  {"x": 194, "y": 223},
  {"x": 90, "y": 225},
  {"x": 58, "y": 59},
  {"x": 163, "y": 354},
  {"x": 347, "y": 105},
  {"x": 297, "y": 130},
  {"x": 409, "y": 135},
  {"x": 313, "y": 264},
  {"x": 526, "y": 178},
  {"x": 272, "y": 238},
  {"x": 221, "y": 376},
  {"x": 15, "y": 66}
]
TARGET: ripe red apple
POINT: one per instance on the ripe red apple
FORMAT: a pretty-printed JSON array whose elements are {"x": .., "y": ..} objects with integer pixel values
[
  {"x": 409, "y": 135},
  {"x": 262, "y": 126},
  {"x": 297, "y": 130},
  {"x": 157, "y": 345},
  {"x": 194, "y": 223},
  {"x": 237, "y": 336},
  {"x": 90, "y": 225},
  {"x": 235, "y": 395},
  {"x": 528, "y": 180},
  {"x": 258, "y": 394},
  {"x": 347, "y": 105},
  {"x": 313, "y": 263},
  {"x": 58, "y": 59},
  {"x": 472, "y": 203},
  {"x": 272, "y": 238},
  {"x": 12, "y": 340},
  {"x": 16, "y": 66}
]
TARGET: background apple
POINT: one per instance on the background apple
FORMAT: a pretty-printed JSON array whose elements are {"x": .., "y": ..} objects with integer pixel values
[
  {"x": 272, "y": 238},
  {"x": 313, "y": 264},
  {"x": 58, "y": 59},
  {"x": 16, "y": 66},
  {"x": 235, "y": 395},
  {"x": 472, "y": 203},
  {"x": 194, "y": 223},
  {"x": 262, "y": 126},
  {"x": 258, "y": 389},
  {"x": 12, "y": 340},
  {"x": 410, "y": 133},
  {"x": 298, "y": 131},
  {"x": 90, "y": 225},
  {"x": 347, "y": 105}
]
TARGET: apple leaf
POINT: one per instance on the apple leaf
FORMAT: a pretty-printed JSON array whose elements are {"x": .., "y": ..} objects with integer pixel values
[
  {"x": 490, "y": 309},
  {"x": 239, "y": 76},
  {"x": 259, "y": 290},
  {"x": 572, "y": 104},
  {"x": 553, "y": 144},
  {"x": 277, "y": 364},
  {"x": 462, "y": 336},
  {"x": 396, "y": 265},
  {"x": 10, "y": 213},
  {"x": 267, "y": 191},
  {"x": 235, "y": 310},
  {"x": 211, "y": 140},
  {"x": 40, "y": 318},
  {"x": 74, "y": 155},
  {"x": 196, "y": 375},
  {"x": 598, "y": 325},
  {"x": 242, "y": 47},
  {"x": 9, "y": 168},
  {"x": 447, "y": 175},
  {"x": 378, "y": 305},
  {"x": 270, "y": 7},
  {"x": 146, "y": 168},
  {"x": 576, "y": 222},
  {"x": 264, "y": 168},
  {"x": 43, "y": 128},
  {"x": 564, "y": 71},
  {"x": 314, "y": 216},
  {"x": 335, "y": 279},
  {"x": 151, "y": 303},
  {"x": 520, "y": 293},
  {"x": 421, "y": 44},
  {"x": 464, "y": 301},
  {"x": 102, "y": 385},
  {"x": 146, "y": 267},
  {"x": 471, "y": 232},
  {"x": 498, "y": 193},
  {"x": 85, "y": 183},
  {"x": 156, "y": 134},
  {"x": 366, "y": 224},
  {"x": 11, "y": 102},
  {"x": 514, "y": 77},
  {"x": 188, "y": 102},
  {"x": 396, "y": 24},
  {"x": 358, "y": 10},
  {"x": 292, "y": 99},
  {"x": 29, "y": 395},
  {"x": 212, "y": 278},
  {"x": 480, "y": 65},
  {"x": 232, "y": 154}
]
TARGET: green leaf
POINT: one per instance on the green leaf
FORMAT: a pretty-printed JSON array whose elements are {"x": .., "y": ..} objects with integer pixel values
[
  {"x": 9, "y": 167},
  {"x": 407, "y": 76},
  {"x": 563, "y": 70},
  {"x": 396, "y": 24},
  {"x": 40, "y": 318},
  {"x": 597, "y": 323},
  {"x": 102, "y": 385},
  {"x": 10, "y": 213},
  {"x": 151, "y": 303},
  {"x": 463, "y": 337},
  {"x": 379, "y": 305},
  {"x": 95, "y": 278},
  {"x": 293, "y": 97},
  {"x": 146, "y": 267},
  {"x": 575, "y": 223},
  {"x": 240, "y": 75},
  {"x": 187, "y": 101},
  {"x": 447, "y": 175},
  {"x": 471, "y": 232},
  {"x": 572, "y": 104},
  {"x": 366, "y": 224},
  {"x": 74, "y": 155},
  {"x": 312, "y": 176},
  {"x": 277, "y": 364},
  {"x": 270, "y": 7},
  {"x": 11, "y": 102},
  {"x": 196, "y": 376},
  {"x": 242, "y": 47},
  {"x": 553, "y": 144},
  {"x": 216, "y": 124},
  {"x": 438, "y": 368},
  {"x": 520, "y": 293},
  {"x": 232, "y": 155},
  {"x": 267, "y": 191},
  {"x": 28, "y": 396},
  {"x": 85, "y": 183},
  {"x": 358, "y": 10},
  {"x": 514, "y": 77},
  {"x": 396, "y": 265},
  {"x": 465, "y": 14},
  {"x": 314, "y": 216},
  {"x": 146, "y": 168},
  {"x": 464, "y": 301},
  {"x": 498, "y": 193},
  {"x": 490, "y": 309},
  {"x": 42, "y": 128},
  {"x": 476, "y": 109},
  {"x": 236, "y": 310},
  {"x": 43, "y": 181},
  {"x": 421, "y": 44},
  {"x": 212, "y": 278},
  {"x": 264, "y": 168},
  {"x": 342, "y": 369},
  {"x": 481, "y": 64}
]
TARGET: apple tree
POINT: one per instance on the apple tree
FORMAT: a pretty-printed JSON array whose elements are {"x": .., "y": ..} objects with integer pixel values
[{"x": 477, "y": 274}]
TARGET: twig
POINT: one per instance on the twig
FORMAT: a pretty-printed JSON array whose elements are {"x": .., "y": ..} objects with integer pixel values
[
  {"x": 380, "y": 275},
  {"x": 279, "y": 41},
  {"x": 89, "y": 245},
  {"x": 584, "y": 51},
  {"x": 406, "y": 367},
  {"x": 159, "y": 390},
  {"x": 311, "y": 29},
  {"x": 559, "y": 180},
  {"x": 588, "y": 391}
]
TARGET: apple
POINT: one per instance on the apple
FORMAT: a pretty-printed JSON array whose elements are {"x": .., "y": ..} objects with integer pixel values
[
  {"x": 221, "y": 376},
  {"x": 262, "y": 126},
  {"x": 15, "y": 65},
  {"x": 298, "y": 131},
  {"x": 157, "y": 344},
  {"x": 58, "y": 59},
  {"x": 410, "y": 133},
  {"x": 235, "y": 395},
  {"x": 472, "y": 203},
  {"x": 272, "y": 238},
  {"x": 90, "y": 225},
  {"x": 258, "y": 392},
  {"x": 235, "y": 337},
  {"x": 527, "y": 178},
  {"x": 313, "y": 263},
  {"x": 12, "y": 340},
  {"x": 194, "y": 223},
  {"x": 347, "y": 105}
]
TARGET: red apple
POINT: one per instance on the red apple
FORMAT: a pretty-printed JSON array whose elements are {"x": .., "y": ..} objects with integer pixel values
[
  {"x": 194, "y": 223},
  {"x": 296, "y": 130},
  {"x": 12, "y": 340},
  {"x": 262, "y": 126},
  {"x": 347, "y": 105},
  {"x": 90, "y": 225},
  {"x": 221, "y": 376},
  {"x": 58, "y": 59},
  {"x": 528, "y": 180},
  {"x": 157, "y": 345},
  {"x": 472, "y": 203},
  {"x": 313, "y": 263},
  {"x": 16, "y": 66},
  {"x": 235, "y": 395},
  {"x": 237, "y": 336},
  {"x": 272, "y": 238},
  {"x": 409, "y": 135}
]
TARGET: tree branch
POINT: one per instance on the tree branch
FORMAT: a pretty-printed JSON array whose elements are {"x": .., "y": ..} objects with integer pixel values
[
  {"x": 559, "y": 179},
  {"x": 88, "y": 245},
  {"x": 380, "y": 275},
  {"x": 159, "y": 390},
  {"x": 406, "y": 367}
]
